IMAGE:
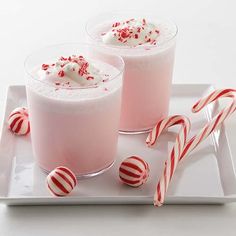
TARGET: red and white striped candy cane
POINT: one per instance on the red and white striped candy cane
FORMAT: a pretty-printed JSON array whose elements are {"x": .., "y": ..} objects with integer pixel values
[
  {"x": 171, "y": 163},
  {"x": 190, "y": 145},
  {"x": 215, "y": 122}
]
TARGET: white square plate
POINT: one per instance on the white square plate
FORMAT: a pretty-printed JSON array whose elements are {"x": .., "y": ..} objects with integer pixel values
[{"x": 206, "y": 176}]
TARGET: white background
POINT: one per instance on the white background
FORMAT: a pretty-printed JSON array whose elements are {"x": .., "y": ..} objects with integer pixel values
[{"x": 206, "y": 53}]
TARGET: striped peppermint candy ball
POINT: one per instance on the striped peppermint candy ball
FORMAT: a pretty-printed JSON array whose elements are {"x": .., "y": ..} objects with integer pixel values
[
  {"x": 61, "y": 181},
  {"x": 134, "y": 171},
  {"x": 18, "y": 121}
]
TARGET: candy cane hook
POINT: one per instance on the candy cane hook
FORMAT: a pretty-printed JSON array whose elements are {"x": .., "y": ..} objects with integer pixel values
[
  {"x": 215, "y": 122},
  {"x": 171, "y": 163}
]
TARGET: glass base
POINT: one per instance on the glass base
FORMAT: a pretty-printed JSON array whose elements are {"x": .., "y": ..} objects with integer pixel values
[
  {"x": 85, "y": 176},
  {"x": 135, "y": 131}
]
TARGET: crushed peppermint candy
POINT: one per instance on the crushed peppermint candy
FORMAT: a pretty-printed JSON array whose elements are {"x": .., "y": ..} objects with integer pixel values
[
  {"x": 61, "y": 73},
  {"x": 131, "y": 32},
  {"x": 75, "y": 68},
  {"x": 45, "y": 66},
  {"x": 90, "y": 78}
]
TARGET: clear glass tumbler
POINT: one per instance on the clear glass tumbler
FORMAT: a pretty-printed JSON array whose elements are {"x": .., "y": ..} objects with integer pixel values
[
  {"x": 76, "y": 127},
  {"x": 148, "y": 70}
]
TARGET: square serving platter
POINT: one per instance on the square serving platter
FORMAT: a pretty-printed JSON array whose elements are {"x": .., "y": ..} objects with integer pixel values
[{"x": 206, "y": 176}]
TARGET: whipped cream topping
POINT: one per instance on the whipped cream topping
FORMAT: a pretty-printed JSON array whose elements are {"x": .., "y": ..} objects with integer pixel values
[
  {"x": 75, "y": 69},
  {"x": 131, "y": 33}
]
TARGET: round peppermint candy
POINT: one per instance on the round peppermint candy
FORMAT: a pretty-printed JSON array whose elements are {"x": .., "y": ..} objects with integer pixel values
[
  {"x": 18, "y": 121},
  {"x": 61, "y": 181},
  {"x": 134, "y": 171}
]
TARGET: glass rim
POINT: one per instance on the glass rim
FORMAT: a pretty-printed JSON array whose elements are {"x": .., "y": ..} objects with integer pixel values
[
  {"x": 128, "y": 47},
  {"x": 29, "y": 72}
]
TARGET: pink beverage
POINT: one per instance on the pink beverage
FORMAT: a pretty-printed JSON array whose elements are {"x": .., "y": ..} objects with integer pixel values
[
  {"x": 74, "y": 104},
  {"x": 147, "y": 46}
]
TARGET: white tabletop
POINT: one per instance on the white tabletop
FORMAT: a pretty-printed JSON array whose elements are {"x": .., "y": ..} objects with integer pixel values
[{"x": 205, "y": 54}]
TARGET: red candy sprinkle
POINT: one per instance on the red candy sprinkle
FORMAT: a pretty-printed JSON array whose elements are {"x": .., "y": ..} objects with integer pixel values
[
  {"x": 116, "y": 24},
  {"x": 129, "y": 20},
  {"x": 63, "y": 59},
  {"x": 124, "y": 33},
  {"x": 90, "y": 78},
  {"x": 154, "y": 42},
  {"x": 83, "y": 69},
  {"x": 61, "y": 73},
  {"x": 45, "y": 67}
]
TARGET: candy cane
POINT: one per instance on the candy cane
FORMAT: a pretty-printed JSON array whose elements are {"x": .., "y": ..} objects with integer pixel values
[
  {"x": 215, "y": 122},
  {"x": 171, "y": 163},
  {"x": 194, "y": 141}
]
